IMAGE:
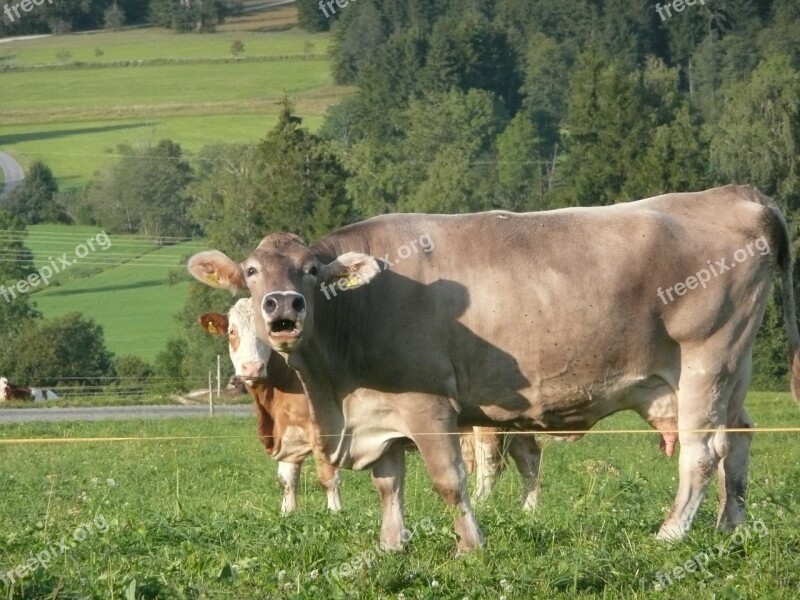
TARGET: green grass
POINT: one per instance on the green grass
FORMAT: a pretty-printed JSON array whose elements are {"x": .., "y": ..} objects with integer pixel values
[
  {"x": 122, "y": 288},
  {"x": 199, "y": 519},
  {"x": 76, "y": 150},
  {"x": 156, "y": 43},
  {"x": 93, "y": 92},
  {"x": 74, "y": 118}
]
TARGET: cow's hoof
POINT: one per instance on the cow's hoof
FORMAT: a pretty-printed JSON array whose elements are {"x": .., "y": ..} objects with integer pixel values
[
  {"x": 670, "y": 534},
  {"x": 389, "y": 546}
]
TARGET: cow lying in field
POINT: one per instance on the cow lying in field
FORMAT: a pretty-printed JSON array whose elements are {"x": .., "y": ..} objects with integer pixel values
[
  {"x": 13, "y": 392},
  {"x": 543, "y": 321},
  {"x": 256, "y": 364}
]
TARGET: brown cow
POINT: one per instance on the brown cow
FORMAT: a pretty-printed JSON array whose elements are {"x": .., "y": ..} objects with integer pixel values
[{"x": 543, "y": 321}]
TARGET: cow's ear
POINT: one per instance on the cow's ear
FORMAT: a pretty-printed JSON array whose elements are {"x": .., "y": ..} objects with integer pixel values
[
  {"x": 217, "y": 270},
  {"x": 214, "y": 323},
  {"x": 351, "y": 270}
]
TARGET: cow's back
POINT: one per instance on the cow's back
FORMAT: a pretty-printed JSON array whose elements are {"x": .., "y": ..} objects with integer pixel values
[{"x": 540, "y": 306}]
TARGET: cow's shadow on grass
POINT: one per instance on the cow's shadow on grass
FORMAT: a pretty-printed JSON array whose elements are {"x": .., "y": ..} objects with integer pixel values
[{"x": 34, "y": 136}]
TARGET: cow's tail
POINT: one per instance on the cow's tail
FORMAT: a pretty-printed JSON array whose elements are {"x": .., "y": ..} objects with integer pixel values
[{"x": 781, "y": 240}]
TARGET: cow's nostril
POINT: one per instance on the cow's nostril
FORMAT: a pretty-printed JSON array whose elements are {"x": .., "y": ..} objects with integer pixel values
[
  {"x": 298, "y": 304},
  {"x": 270, "y": 305}
]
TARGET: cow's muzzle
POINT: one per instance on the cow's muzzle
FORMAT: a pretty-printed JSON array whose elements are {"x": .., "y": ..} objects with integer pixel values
[
  {"x": 254, "y": 369},
  {"x": 284, "y": 313}
]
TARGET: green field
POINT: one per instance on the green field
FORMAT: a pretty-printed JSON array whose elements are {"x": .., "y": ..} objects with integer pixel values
[
  {"x": 123, "y": 288},
  {"x": 199, "y": 519},
  {"x": 73, "y": 118}
]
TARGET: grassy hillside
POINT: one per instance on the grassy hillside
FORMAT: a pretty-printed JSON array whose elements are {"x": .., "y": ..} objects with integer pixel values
[
  {"x": 199, "y": 518},
  {"x": 74, "y": 117},
  {"x": 188, "y": 89},
  {"x": 123, "y": 287}
]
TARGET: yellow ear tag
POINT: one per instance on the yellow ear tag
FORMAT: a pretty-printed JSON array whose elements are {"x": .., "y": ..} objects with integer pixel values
[
  {"x": 211, "y": 328},
  {"x": 211, "y": 278},
  {"x": 352, "y": 280}
]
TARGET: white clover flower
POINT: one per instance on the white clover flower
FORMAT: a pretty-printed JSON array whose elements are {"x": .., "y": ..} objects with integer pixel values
[
  {"x": 111, "y": 483},
  {"x": 281, "y": 574},
  {"x": 434, "y": 583},
  {"x": 314, "y": 574}
]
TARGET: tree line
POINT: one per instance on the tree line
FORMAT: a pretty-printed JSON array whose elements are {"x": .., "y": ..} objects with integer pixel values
[{"x": 65, "y": 16}]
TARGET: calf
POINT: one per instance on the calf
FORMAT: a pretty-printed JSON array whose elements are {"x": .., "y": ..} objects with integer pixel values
[{"x": 281, "y": 406}]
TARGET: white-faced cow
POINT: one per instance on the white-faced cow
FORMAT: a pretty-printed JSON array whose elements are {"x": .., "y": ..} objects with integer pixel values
[
  {"x": 545, "y": 321},
  {"x": 284, "y": 421}
]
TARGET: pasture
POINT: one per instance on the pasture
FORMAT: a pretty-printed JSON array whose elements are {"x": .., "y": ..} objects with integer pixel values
[
  {"x": 144, "y": 85},
  {"x": 123, "y": 288},
  {"x": 198, "y": 518}
]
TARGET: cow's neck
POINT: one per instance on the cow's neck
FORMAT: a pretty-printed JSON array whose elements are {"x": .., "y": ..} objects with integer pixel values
[{"x": 282, "y": 376}]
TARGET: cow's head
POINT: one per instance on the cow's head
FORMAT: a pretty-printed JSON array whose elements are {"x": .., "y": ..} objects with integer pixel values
[
  {"x": 285, "y": 279},
  {"x": 249, "y": 354}
]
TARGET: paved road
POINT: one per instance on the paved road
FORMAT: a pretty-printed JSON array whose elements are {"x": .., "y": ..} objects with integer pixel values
[
  {"x": 26, "y": 415},
  {"x": 12, "y": 172},
  {"x": 22, "y": 38}
]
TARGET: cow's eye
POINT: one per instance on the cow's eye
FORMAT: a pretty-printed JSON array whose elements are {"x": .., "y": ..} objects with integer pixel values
[
  {"x": 312, "y": 270},
  {"x": 251, "y": 271}
]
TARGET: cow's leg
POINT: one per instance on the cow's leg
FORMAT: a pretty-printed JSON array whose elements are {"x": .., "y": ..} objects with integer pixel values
[
  {"x": 288, "y": 475},
  {"x": 442, "y": 456},
  {"x": 388, "y": 474},
  {"x": 527, "y": 456},
  {"x": 328, "y": 477},
  {"x": 488, "y": 461},
  {"x": 702, "y": 402},
  {"x": 732, "y": 469},
  {"x": 467, "y": 440}
]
